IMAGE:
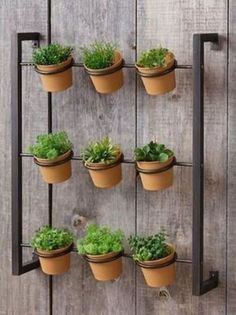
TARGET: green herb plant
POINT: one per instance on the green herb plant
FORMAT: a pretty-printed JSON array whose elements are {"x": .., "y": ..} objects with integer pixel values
[
  {"x": 51, "y": 55},
  {"x": 149, "y": 247},
  {"x": 51, "y": 238},
  {"x": 152, "y": 151},
  {"x": 101, "y": 152},
  {"x": 153, "y": 58},
  {"x": 98, "y": 55},
  {"x": 50, "y": 146},
  {"x": 100, "y": 240}
]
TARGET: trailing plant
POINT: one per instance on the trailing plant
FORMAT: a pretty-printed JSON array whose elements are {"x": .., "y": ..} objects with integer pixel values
[
  {"x": 51, "y": 238},
  {"x": 153, "y": 151},
  {"x": 51, "y": 55},
  {"x": 151, "y": 247},
  {"x": 100, "y": 240},
  {"x": 98, "y": 55},
  {"x": 101, "y": 152},
  {"x": 50, "y": 146},
  {"x": 155, "y": 57}
]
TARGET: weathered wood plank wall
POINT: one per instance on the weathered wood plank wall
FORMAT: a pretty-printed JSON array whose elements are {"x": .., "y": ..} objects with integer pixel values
[{"x": 128, "y": 117}]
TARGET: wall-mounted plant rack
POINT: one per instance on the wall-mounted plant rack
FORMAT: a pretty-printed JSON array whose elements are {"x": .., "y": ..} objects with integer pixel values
[{"x": 199, "y": 286}]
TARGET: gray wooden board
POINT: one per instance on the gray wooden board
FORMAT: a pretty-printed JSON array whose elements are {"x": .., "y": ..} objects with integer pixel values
[
  {"x": 169, "y": 119},
  {"x": 88, "y": 116},
  {"x": 27, "y": 294},
  {"x": 231, "y": 279}
]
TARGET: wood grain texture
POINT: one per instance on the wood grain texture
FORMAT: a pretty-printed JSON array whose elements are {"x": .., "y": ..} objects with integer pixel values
[
  {"x": 88, "y": 116},
  {"x": 231, "y": 278},
  {"x": 27, "y": 294},
  {"x": 169, "y": 119}
]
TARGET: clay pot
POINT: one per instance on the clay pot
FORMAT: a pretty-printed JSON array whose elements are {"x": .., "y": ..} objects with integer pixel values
[
  {"x": 59, "y": 81},
  {"x": 155, "y": 81},
  {"x": 57, "y": 170},
  {"x": 109, "y": 79},
  {"x": 54, "y": 262},
  {"x": 160, "y": 277},
  {"x": 103, "y": 269},
  {"x": 105, "y": 175},
  {"x": 156, "y": 181}
]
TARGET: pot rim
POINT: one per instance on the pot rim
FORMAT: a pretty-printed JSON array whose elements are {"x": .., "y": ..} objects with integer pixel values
[
  {"x": 63, "y": 158},
  {"x": 55, "y": 252},
  {"x": 117, "y": 65},
  {"x": 103, "y": 258},
  {"x": 104, "y": 166},
  {"x": 161, "y": 69},
  {"x": 155, "y": 167}
]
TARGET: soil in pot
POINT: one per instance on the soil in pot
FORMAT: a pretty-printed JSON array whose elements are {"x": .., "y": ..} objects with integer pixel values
[
  {"x": 110, "y": 79},
  {"x": 160, "y": 277},
  {"x": 158, "y": 81},
  {"x": 105, "y": 267},
  {"x": 58, "y": 81},
  {"x": 57, "y": 170},
  {"x": 156, "y": 181},
  {"x": 55, "y": 262},
  {"x": 105, "y": 175}
]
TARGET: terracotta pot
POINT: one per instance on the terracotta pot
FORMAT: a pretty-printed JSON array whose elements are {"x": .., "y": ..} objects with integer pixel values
[
  {"x": 105, "y": 271},
  {"x": 58, "y": 173},
  {"x": 160, "y": 84},
  {"x": 54, "y": 262},
  {"x": 105, "y": 175},
  {"x": 160, "y": 277},
  {"x": 157, "y": 181},
  {"x": 109, "y": 79},
  {"x": 59, "y": 81}
]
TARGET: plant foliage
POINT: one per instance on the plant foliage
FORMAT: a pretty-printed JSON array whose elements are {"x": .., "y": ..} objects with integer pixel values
[
  {"x": 50, "y": 146},
  {"x": 152, "y": 58},
  {"x": 98, "y": 55},
  {"x": 51, "y": 238},
  {"x": 100, "y": 240},
  {"x": 51, "y": 55},
  {"x": 101, "y": 152},
  {"x": 150, "y": 247},
  {"x": 153, "y": 151}
]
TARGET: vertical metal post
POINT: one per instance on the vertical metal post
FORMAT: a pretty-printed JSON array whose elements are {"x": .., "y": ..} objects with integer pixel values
[
  {"x": 199, "y": 285},
  {"x": 16, "y": 109}
]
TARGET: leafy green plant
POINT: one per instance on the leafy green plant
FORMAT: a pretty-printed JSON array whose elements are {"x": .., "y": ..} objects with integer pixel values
[
  {"x": 50, "y": 146},
  {"x": 152, "y": 58},
  {"x": 101, "y": 152},
  {"x": 100, "y": 240},
  {"x": 51, "y": 238},
  {"x": 153, "y": 151},
  {"x": 149, "y": 247},
  {"x": 51, "y": 55},
  {"x": 98, "y": 55}
]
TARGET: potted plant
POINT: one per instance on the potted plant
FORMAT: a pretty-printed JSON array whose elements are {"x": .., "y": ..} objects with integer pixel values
[
  {"x": 155, "y": 166},
  {"x": 103, "y": 62},
  {"x": 53, "y": 153},
  {"x": 155, "y": 257},
  {"x": 103, "y": 160},
  {"x": 54, "y": 64},
  {"x": 52, "y": 246},
  {"x": 102, "y": 248},
  {"x": 156, "y": 67}
]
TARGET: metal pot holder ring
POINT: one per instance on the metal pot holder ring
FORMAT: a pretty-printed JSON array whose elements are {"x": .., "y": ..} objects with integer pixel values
[
  {"x": 150, "y": 75},
  {"x": 106, "y": 166},
  {"x": 105, "y": 72},
  {"x": 156, "y": 171},
  {"x": 106, "y": 260},
  {"x": 166, "y": 264},
  {"x": 66, "y": 251},
  {"x": 56, "y": 163},
  {"x": 66, "y": 67}
]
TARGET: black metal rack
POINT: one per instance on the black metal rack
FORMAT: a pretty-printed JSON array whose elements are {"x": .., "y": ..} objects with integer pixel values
[{"x": 199, "y": 286}]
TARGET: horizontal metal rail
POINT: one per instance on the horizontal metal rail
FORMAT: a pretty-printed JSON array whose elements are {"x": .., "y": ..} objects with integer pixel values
[
  {"x": 125, "y": 161},
  {"x": 126, "y": 65},
  {"x": 184, "y": 261}
]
